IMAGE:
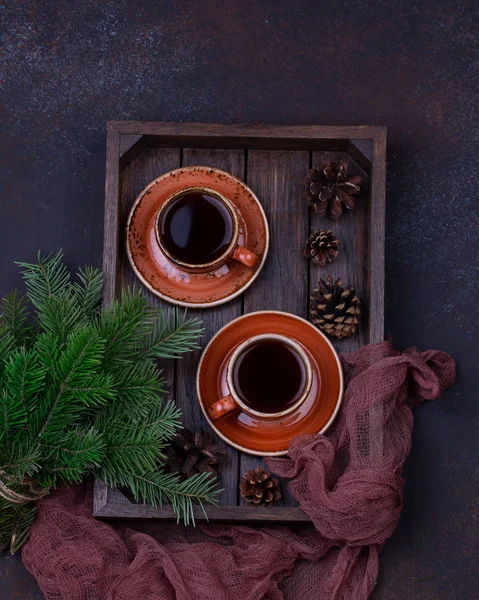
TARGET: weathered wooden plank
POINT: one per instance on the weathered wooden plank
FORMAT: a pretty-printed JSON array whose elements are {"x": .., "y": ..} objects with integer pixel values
[
  {"x": 276, "y": 177},
  {"x": 149, "y": 165},
  {"x": 353, "y": 231},
  {"x": 214, "y": 319},
  {"x": 111, "y": 227},
  {"x": 377, "y": 241},
  {"x": 242, "y": 132},
  {"x": 127, "y": 141},
  {"x": 362, "y": 152},
  {"x": 119, "y": 507}
]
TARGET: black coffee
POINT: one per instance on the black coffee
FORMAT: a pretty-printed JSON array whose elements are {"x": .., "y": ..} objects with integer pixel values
[
  {"x": 269, "y": 376},
  {"x": 196, "y": 228}
]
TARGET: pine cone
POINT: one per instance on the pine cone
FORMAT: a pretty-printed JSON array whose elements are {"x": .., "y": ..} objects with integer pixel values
[
  {"x": 259, "y": 488},
  {"x": 191, "y": 452},
  {"x": 322, "y": 247},
  {"x": 336, "y": 310},
  {"x": 329, "y": 188}
]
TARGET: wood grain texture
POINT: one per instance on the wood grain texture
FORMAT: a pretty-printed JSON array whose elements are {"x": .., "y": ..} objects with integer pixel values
[
  {"x": 233, "y": 162},
  {"x": 377, "y": 218},
  {"x": 148, "y": 165},
  {"x": 249, "y": 131},
  {"x": 276, "y": 177},
  {"x": 361, "y": 151},
  {"x": 127, "y": 141},
  {"x": 118, "y": 507},
  {"x": 111, "y": 226},
  {"x": 352, "y": 264},
  {"x": 273, "y": 160},
  {"x": 100, "y": 496}
]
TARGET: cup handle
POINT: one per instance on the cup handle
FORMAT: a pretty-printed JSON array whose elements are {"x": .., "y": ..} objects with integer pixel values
[
  {"x": 245, "y": 256},
  {"x": 222, "y": 408}
]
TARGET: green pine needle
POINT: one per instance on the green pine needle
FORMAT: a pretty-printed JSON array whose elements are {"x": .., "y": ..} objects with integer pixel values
[
  {"x": 61, "y": 316},
  {"x": 140, "y": 378},
  {"x": 81, "y": 393},
  {"x": 24, "y": 379},
  {"x": 88, "y": 292},
  {"x": 123, "y": 326},
  {"x": 72, "y": 458},
  {"x": 14, "y": 316},
  {"x": 49, "y": 278},
  {"x": 21, "y": 459},
  {"x": 74, "y": 384},
  {"x": 15, "y": 523},
  {"x": 166, "y": 419},
  {"x": 160, "y": 488},
  {"x": 131, "y": 450},
  {"x": 7, "y": 343},
  {"x": 172, "y": 334}
]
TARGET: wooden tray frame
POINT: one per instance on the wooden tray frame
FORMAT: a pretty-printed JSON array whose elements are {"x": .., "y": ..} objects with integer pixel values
[{"x": 273, "y": 159}]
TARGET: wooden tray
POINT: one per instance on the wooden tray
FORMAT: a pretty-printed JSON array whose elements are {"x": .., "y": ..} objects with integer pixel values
[{"x": 273, "y": 160}]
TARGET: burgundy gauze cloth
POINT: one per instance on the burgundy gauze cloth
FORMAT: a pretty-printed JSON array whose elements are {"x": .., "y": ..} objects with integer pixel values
[{"x": 348, "y": 481}]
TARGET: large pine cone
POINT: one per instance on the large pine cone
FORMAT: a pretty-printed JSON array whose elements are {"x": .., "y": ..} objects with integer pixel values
[
  {"x": 329, "y": 189},
  {"x": 191, "y": 453},
  {"x": 335, "y": 309},
  {"x": 259, "y": 488},
  {"x": 322, "y": 247}
]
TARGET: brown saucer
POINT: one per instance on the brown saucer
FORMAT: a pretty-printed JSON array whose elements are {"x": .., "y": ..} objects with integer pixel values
[
  {"x": 163, "y": 277},
  {"x": 271, "y": 437}
]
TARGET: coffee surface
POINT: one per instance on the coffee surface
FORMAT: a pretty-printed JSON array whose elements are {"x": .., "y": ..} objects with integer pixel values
[
  {"x": 196, "y": 228},
  {"x": 269, "y": 376}
]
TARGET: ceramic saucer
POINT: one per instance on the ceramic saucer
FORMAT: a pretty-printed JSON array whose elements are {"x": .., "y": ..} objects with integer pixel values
[
  {"x": 161, "y": 276},
  {"x": 271, "y": 437}
]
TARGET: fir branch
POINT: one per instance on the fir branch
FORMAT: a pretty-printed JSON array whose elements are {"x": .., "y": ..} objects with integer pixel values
[
  {"x": 12, "y": 417},
  {"x": 77, "y": 453},
  {"x": 14, "y": 316},
  {"x": 24, "y": 379},
  {"x": 172, "y": 335},
  {"x": 159, "y": 488},
  {"x": 21, "y": 460},
  {"x": 140, "y": 389},
  {"x": 83, "y": 394},
  {"x": 15, "y": 523},
  {"x": 88, "y": 291},
  {"x": 75, "y": 383},
  {"x": 48, "y": 348},
  {"x": 49, "y": 278},
  {"x": 124, "y": 326},
  {"x": 61, "y": 316},
  {"x": 7, "y": 343},
  {"x": 131, "y": 450},
  {"x": 166, "y": 420}
]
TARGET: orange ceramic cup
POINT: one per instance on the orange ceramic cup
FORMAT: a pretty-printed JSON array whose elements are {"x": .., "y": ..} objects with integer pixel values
[
  {"x": 233, "y": 402},
  {"x": 233, "y": 252}
]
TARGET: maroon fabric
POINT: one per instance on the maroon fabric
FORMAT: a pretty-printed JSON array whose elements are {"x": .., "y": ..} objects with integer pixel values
[{"x": 349, "y": 482}]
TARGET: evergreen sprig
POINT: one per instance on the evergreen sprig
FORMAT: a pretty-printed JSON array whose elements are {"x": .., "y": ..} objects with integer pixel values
[{"x": 81, "y": 393}]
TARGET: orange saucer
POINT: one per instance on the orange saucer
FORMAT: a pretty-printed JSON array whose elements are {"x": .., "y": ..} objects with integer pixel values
[
  {"x": 271, "y": 437},
  {"x": 163, "y": 277}
]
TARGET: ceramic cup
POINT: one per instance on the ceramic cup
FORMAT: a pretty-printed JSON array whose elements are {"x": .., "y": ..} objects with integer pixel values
[
  {"x": 233, "y": 401},
  {"x": 233, "y": 251}
]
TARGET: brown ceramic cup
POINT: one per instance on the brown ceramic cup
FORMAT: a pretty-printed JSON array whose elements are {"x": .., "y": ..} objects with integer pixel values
[
  {"x": 233, "y": 251},
  {"x": 233, "y": 402}
]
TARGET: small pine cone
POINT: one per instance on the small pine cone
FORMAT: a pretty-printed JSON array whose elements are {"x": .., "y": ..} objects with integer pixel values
[
  {"x": 335, "y": 309},
  {"x": 329, "y": 189},
  {"x": 191, "y": 453},
  {"x": 322, "y": 247},
  {"x": 259, "y": 488}
]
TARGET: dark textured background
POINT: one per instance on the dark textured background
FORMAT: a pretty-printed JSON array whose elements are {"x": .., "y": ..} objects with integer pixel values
[{"x": 66, "y": 67}]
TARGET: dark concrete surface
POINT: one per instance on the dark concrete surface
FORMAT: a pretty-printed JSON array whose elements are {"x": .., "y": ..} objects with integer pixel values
[{"x": 66, "y": 67}]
